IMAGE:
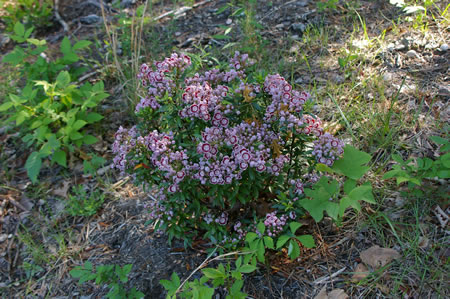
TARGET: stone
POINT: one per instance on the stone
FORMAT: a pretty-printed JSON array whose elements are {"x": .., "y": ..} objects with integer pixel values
[
  {"x": 4, "y": 40},
  {"x": 444, "y": 47},
  {"x": 127, "y": 3},
  {"x": 91, "y": 19},
  {"x": 300, "y": 27},
  {"x": 3, "y": 238},
  {"x": 412, "y": 54}
]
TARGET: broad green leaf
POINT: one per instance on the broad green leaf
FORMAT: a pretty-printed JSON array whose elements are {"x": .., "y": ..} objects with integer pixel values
[
  {"x": 93, "y": 117},
  {"x": 347, "y": 202},
  {"x": 65, "y": 46},
  {"x": 268, "y": 242},
  {"x": 349, "y": 185},
  {"x": 213, "y": 273},
  {"x": 78, "y": 124},
  {"x": 63, "y": 79},
  {"x": 362, "y": 193},
  {"x": 250, "y": 237},
  {"x": 60, "y": 158},
  {"x": 324, "y": 168},
  {"x": 33, "y": 166},
  {"x": 261, "y": 227},
  {"x": 37, "y": 42},
  {"x": 81, "y": 44},
  {"x": 175, "y": 279},
  {"x": 247, "y": 269},
  {"x": 332, "y": 209},
  {"x": 21, "y": 117},
  {"x": 6, "y": 106},
  {"x": 19, "y": 29},
  {"x": 282, "y": 240},
  {"x": 307, "y": 241},
  {"x": 352, "y": 164},
  {"x": 260, "y": 251},
  {"x": 293, "y": 249},
  {"x": 294, "y": 226},
  {"x": 75, "y": 135}
]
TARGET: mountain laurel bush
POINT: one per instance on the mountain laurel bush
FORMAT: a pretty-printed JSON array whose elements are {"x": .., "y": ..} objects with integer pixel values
[{"x": 232, "y": 150}]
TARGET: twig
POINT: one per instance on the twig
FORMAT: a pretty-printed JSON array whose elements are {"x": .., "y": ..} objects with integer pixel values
[
  {"x": 276, "y": 9},
  {"x": 325, "y": 278},
  {"x": 181, "y": 10},
  {"x": 207, "y": 261},
  {"x": 58, "y": 17}
]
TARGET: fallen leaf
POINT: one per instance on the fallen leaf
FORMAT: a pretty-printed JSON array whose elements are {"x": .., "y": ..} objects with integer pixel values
[
  {"x": 377, "y": 257},
  {"x": 383, "y": 288},
  {"x": 361, "y": 272},
  {"x": 423, "y": 242},
  {"x": 322, "y": 294},
  {"x": 337, "y": 294},
  {"x": 62, "y": 192}
]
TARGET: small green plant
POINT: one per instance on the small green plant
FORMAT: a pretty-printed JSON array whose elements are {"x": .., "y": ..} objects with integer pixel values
[
  {"x": 414, "y": 170},
  {"x": 93, "y": 163},
  {"x": 226, "y": 276},
  {"x": 83, "y": 204},
  {"x": 31, "y": 12},
  {"x": 112, "y": 275},
  {"x": 51, "y": 113},
  {"x": 334, "y": 197},
  {"x": 327, "y": 5}
]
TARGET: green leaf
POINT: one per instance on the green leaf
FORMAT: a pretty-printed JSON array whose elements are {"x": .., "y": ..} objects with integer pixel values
[
  {"x": 75, "y": 136},
  {"x": 293, "y": 250},
  {"x": 363, "y": 192},
  {"x": 294, "y": 226},
  {"x": 268, "y": 242},
  {"x": 250, "y": 237},
  {"x": 349, "y": 185},
  {"x": 260, "y": 251},
  {"x": 19, "y": 29},
  {"x": 37, "y": 42},
  {"x": 33, "y": 166},
  {"x": 352, "y": 164},
  {"x": 6, "y": 106},
  {"x": 324, "y": 168},
  {"x": 63, "y": 79},
  {"x": 247, "y": 269},
  {"x": 78, "y": 124},
  {"x": 261, "y": 227},
  {"x": 81, "y": 44},
  {"x": 332, "y": 209},
  {"x": 307, "y": 241},
  {"x": 65, "y": 46},
  {"x": 282, "y": 240},
  {"x": 60, "y": 158},
  {"x": 93, "y": 117},
  {"x": 213, "y": 273}
]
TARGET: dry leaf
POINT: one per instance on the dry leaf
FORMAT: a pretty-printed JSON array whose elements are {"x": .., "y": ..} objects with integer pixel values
[
  {"x": 361, "y": 272},
  {"x": 62, "y": 192},
  {"x": 322, "y": 294},
  {"x": 423, "y": 242},
  {"x": 377, "y": 257},
  {"x": 337, "y": 294}
]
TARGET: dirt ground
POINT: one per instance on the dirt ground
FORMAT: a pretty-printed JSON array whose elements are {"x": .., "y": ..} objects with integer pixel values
[{"x": 118, "y": 234}]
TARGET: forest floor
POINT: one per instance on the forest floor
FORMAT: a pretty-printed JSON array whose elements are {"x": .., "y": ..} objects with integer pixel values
[{"x": 380, "y": 79}]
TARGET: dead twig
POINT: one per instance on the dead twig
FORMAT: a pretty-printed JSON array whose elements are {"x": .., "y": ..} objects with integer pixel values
[{"x": 58, "y": 17}]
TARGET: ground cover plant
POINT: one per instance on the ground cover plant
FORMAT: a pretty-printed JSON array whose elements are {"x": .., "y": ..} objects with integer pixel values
[{"x": 371, "y": 222}]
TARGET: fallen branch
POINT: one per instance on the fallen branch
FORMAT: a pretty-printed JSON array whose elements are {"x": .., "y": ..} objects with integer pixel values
[{"x": 58, "y": 17}]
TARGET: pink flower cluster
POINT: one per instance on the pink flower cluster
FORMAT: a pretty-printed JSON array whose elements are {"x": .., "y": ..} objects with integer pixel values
[
  {"x": 275, "y": 224},
  {"x": 327, "y": 149}
]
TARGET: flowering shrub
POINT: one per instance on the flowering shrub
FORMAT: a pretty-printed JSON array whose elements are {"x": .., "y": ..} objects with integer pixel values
[{"x": 229, "y": 149}]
